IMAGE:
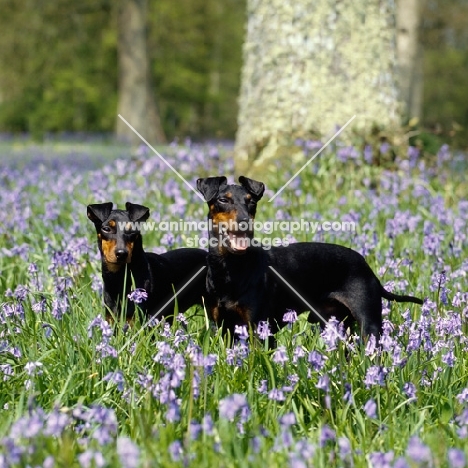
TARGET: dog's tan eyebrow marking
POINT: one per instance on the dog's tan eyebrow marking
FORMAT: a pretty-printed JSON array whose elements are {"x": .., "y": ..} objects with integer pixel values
[
  {"x": 228, "y": 195},
  {"x": 111, "y": 223},
  {"x": 248, "y": 196}
]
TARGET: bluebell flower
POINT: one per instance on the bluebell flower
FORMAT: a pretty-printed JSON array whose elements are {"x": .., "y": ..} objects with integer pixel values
[
  {"x": 138, "y": 295},
  {"x": 417, "y": 451},
  {"x": 176, "y": 451},
  {"x": 456, "y": 458},
  {"x": 56, "y": 422},
  {"x": 116, "y": 378},
  {"x": 326, "y": 435},
  {"x": 276, "y": 394},
  {"x": 381, "y": 459},
  {"x": 410, "y": 390},
  {"x": 345, "y": 448},
  {"x": 317, "y": 360},
  {"x": 375, "y": 375},
  {"x": 232, "y": 405},
  {"x": 207, "y": 424},
  {"x": 263, "y": 330},
  {"x": 33, "y": 368},
  {"x": 461, "y": 397},
  {"x": 91, "y": 459},
  {"x": 290, "y": 316},
  {"x": 324, "y": 383},
  {"x": 280, "y": 355},
  {"x": 241, "y": 331},
  {"x": 370, "y": 408},
  {"x": 288, "y": 419}
]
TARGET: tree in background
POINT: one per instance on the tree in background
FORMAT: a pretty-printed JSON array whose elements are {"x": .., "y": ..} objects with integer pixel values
[
  {"x": 60, "y": 66},
  {"x": 444, "y": 36},
  {"x": 310, "y": 65},
  {"x": 137, "y": 103},
  {"x": 409, "y": 56}
]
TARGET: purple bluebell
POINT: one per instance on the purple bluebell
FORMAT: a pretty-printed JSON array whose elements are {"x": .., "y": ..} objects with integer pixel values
[
  {"x": 326, "y": 435},
  {"x": 290, "y": 316},
  {"x": 263, "y": 387},
  {"x": 370, "y": 408},
  {"x": 317, "y": 360},
  {"x": 298, "y": 353},
  {"x": 56, "y": 422},
  {"x": 241, "y": 331},
  {"x": 138, "y": 295},
  {"x": 462, "y": 397},
  {"x": 276, "y": 394},
  {"x": 288, "y": 419},
  {"x": 456, "y": 458},
  {"x": 381, "y": 459},
  {"x": 280, "y": 355},
  {"x": 324, "y": 383},
  {"x": 91, "y": 459},
  {"x": 345, "y": 448},
  {"x": 332, "y": 334},
  {"x": 232, "y": 405},
  {"x": 401, "y": 462},
  {"x": 409, "y": 390},
  {"x": 263, "y": 330},
  {"x": 371, "y": 346},
  {"x": 7, "y": 371},
  {"x": 417, "y": 451},
  {"x": 207, "y": 424},
  {"x": 33, "y": 368},
  {"x": 375, "y": 375},
  {"x": 348, "y": 394},
  {"x": 117, "y": 378}
]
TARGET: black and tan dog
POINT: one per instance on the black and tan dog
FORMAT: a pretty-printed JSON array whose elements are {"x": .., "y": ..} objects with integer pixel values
[
  {"x": 242, "y": 289},
  {"x": 125, "y": 263}
]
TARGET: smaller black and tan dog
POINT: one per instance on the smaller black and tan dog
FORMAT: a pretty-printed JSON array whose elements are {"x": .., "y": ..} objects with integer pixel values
[
  {"x": 242, "y": 287},
  {"x": 126, "y": 265}
]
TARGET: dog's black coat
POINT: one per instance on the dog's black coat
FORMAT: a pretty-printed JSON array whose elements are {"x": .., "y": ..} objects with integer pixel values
[
  {"x": 241, "y": 288},
  {"x": 124, "y": 262}
]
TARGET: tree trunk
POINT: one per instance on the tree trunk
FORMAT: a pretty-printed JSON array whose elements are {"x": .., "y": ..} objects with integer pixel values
[
  {"x": 137, "y": 103},
  {"x": 409, "y": 54},
  {"x": 309, "y": 66}
]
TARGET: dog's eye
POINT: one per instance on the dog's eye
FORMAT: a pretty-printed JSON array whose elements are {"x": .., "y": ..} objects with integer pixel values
[
  {"x": 106, "y": 229},
  {"x": 223, "y": 200}
]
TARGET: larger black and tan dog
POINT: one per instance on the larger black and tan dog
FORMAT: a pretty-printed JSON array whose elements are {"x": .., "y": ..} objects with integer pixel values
[
  {"x": 125, "y": 264},
  {"x": 242, "y": 289}
]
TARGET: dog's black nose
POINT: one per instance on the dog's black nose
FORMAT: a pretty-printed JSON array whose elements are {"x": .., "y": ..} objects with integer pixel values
[{"x": 121, "y": 254}]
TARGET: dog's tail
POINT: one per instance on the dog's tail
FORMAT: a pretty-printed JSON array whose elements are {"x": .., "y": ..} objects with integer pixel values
[{"x": 400, "y": 298}]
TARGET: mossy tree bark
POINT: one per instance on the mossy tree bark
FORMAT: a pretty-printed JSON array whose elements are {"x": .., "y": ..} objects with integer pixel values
[{"x": 309, "y": 66}]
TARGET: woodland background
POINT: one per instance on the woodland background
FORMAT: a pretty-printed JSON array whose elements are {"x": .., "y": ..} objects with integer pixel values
[{"x": 59, "y": 67}]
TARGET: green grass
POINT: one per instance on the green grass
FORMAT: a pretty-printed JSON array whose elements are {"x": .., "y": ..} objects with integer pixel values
[{"x": 176, "y": 378}]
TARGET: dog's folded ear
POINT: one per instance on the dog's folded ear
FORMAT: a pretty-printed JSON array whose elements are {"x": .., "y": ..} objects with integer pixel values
[
  {"x": 210, "y": 186},
  {"x": 137, "y": 213},
  {"x": 99, "y": 212},
  {"x": 254, "y": 187}
]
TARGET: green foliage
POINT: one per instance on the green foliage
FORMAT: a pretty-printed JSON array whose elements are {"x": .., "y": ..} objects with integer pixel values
[
  {"x": 445, "y": 94},
  {"x": 46, "y": 211},
  {"x": 58, "y": 65}
]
